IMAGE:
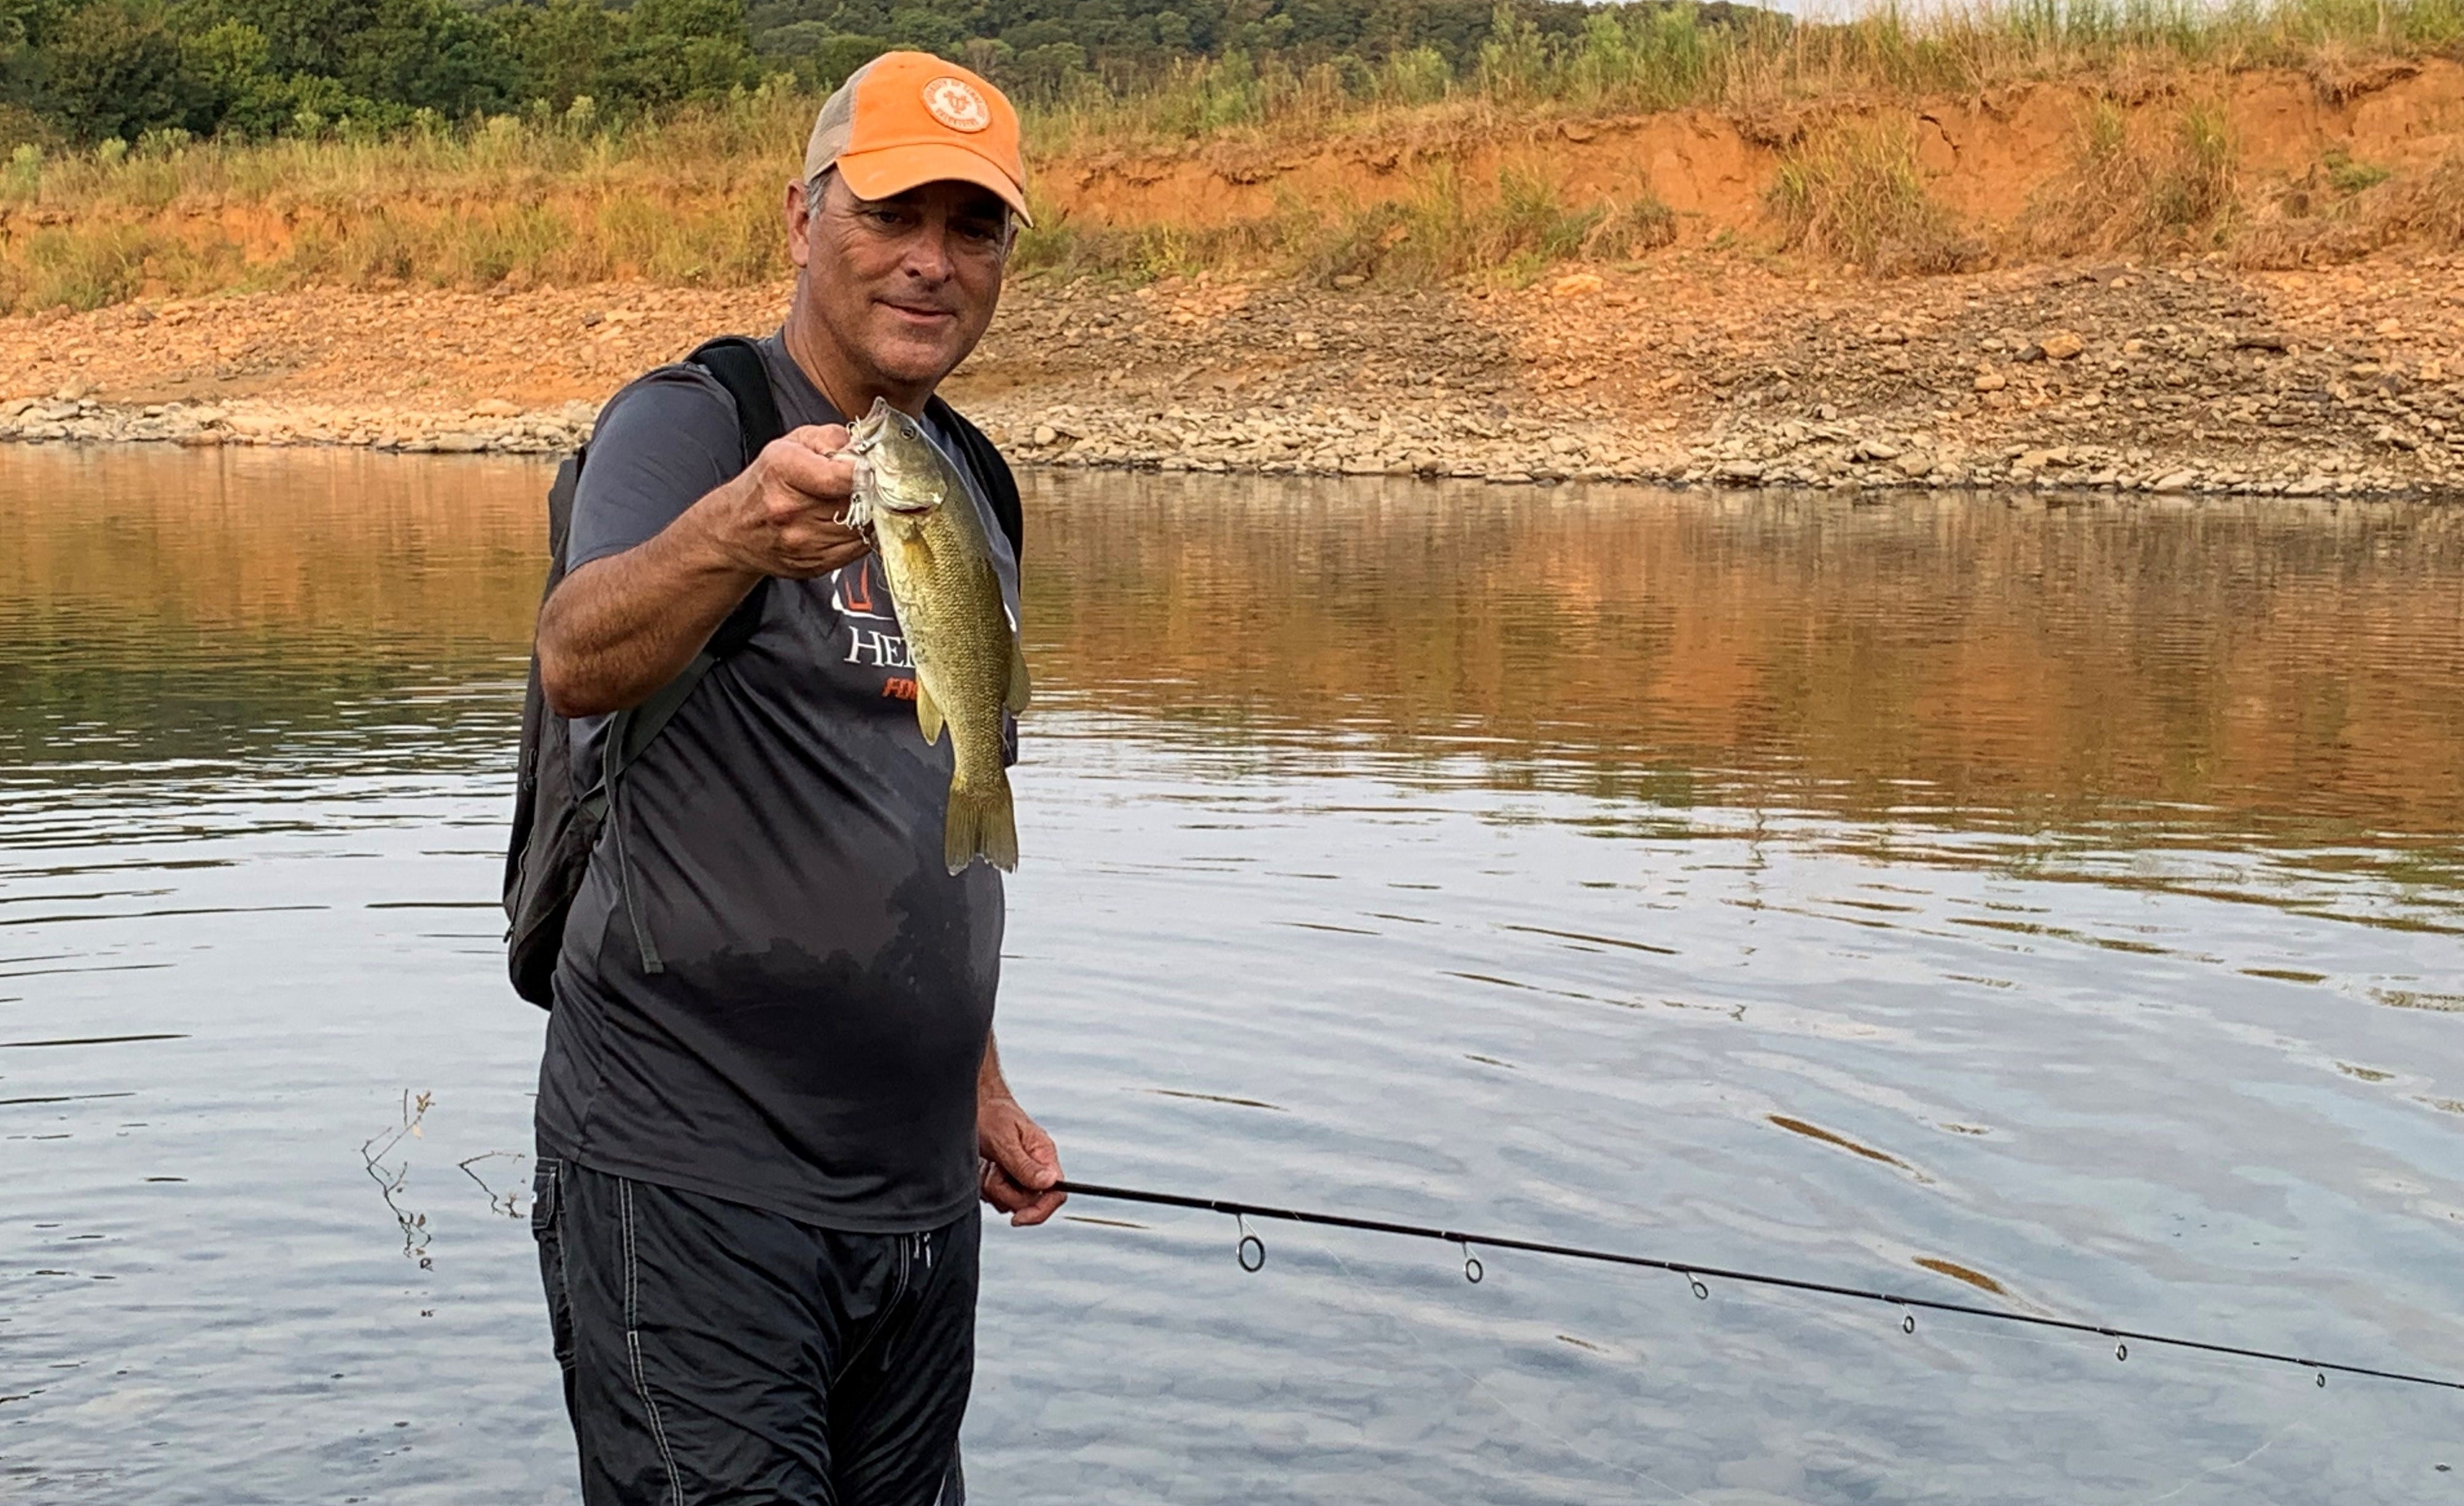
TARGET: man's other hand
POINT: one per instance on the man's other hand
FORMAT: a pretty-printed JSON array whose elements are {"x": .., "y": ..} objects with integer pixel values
[
  {"x": 784, "y": 515},
  {"x": 1019, "y": 1165}
]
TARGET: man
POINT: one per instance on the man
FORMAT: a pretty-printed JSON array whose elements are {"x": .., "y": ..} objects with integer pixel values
[{"x": 770, "y": 1095}]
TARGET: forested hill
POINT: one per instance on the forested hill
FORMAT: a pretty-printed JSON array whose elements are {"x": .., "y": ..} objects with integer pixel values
[{"x": 88, "y": 71}]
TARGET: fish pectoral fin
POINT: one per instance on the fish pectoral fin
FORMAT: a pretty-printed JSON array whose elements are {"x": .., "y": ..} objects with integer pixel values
[
  {"x": 1015, "y": 701},
  {"x": 928, "y": 712}
]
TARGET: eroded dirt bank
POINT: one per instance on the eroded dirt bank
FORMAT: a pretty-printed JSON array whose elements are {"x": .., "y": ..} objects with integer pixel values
[{"x": 1696, "y": 367}]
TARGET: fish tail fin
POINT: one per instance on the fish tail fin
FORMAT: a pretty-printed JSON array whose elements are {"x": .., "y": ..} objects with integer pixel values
[{"x": 982, "y": 823}]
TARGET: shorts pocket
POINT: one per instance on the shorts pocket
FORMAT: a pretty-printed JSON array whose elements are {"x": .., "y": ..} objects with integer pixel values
[{"x": 546, "y": 1183}]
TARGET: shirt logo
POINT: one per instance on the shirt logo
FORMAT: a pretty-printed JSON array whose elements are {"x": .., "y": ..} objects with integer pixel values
[
  {"x": 957, "y": 104},
  {"x": 851, "y": 592}
]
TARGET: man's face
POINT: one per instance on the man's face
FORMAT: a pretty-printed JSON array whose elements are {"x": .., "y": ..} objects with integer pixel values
[{"x": 904, "y": 286}]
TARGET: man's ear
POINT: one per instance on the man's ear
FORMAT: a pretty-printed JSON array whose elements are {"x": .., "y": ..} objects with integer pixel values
[{"x": 799, "y": 217}]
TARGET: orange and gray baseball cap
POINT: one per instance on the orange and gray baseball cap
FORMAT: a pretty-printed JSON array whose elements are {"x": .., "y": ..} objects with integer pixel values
[{"x": 907, "y": 118}]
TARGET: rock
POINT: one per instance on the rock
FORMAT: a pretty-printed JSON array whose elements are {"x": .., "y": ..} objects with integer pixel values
[
  {"x": 496, "y": 408},
  {"x": 1577, "y": 284},
  {"x": 1915, "y": 463},
  {"x": 460, "y": 443},
  {"x": 1990, "y": 381},
  {"x": 1045, "y": 434},
  {"x": 2173, "y": 482},
  {"x": 1346, "y": 281},
  {"x": 2062, "y": 345}
]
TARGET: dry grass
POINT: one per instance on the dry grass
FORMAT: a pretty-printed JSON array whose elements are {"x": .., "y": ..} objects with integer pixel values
[
  {"x": 1854, "y": 192},
  {"x": 1441, "y": 229},
  {"x": 2145, "y": 185},
  {"x": 2347, "y": 210},
  {"x": 694, "y": 200},
  {"x": 691, "y": 199},
  {"x": 2434, "y": 209}
]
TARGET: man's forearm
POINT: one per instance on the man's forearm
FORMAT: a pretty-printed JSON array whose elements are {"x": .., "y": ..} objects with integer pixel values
[
  {"x": 990, "y": 1086},
  {"x": 618, "y": 628}
]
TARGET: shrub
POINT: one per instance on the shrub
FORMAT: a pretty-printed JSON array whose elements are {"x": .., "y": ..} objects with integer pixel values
[
  {"x": 1625, "y": 231},
  {"x": 1854, "y": 192},
  {"x": 2139, "y": 187}
]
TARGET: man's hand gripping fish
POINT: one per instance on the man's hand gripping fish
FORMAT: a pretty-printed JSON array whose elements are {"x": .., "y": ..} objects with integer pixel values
[{"x": 930, "y": 537}]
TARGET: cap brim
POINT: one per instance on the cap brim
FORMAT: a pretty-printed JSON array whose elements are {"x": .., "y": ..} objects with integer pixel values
[{"x": 887, "y": 171}]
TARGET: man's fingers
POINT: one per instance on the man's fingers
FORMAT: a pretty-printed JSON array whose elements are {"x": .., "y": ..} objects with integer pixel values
[
  {"x": 1036, "y": 1212},
  {"x": 1029, "y": 1156},
  {"x": 1026, "y": 1203},
  {"x": 1001, "y": 1189},
  {"x": 806, "y": 478},
  {"x": 820, "y": 438}
]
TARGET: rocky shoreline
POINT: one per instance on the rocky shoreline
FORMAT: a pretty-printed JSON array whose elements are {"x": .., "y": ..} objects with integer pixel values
[
  {"x": 501, "y": 428},
  {"x": 1173, "y": 440},
  {"x": 2183, "y": 380}
]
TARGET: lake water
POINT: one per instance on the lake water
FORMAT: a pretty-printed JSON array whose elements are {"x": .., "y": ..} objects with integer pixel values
[{"x": 1927, "y": 894}]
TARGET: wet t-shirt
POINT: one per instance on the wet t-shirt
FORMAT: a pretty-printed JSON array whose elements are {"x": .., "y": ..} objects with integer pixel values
[{"x": 811, "y": 1043}]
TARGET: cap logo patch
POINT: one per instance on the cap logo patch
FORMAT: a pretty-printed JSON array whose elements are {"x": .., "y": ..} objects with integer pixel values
[{"x": 957, "y": 104}]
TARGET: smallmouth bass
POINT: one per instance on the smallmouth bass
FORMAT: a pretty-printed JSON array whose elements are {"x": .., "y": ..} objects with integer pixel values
[{"x": 924, "y": 524}]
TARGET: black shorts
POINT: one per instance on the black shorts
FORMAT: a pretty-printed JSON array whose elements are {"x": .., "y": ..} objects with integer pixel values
[{"x": 715, "y": 1352}]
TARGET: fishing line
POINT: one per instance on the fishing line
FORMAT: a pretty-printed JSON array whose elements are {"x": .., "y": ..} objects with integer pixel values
[{"x": 1252, "y": 1253}]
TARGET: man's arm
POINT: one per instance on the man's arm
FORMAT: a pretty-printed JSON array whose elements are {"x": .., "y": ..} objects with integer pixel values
[
  {"x": 1020, "y": 1163},
  {"x": 619, "y": 627}
]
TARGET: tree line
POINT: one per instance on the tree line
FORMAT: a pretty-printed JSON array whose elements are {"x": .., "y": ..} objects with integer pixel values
[{"x": 91, "y": 71}]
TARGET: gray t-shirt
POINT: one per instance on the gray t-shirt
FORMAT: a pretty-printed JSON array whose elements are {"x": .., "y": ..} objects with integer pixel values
[{"x": 812, "y": 1043}]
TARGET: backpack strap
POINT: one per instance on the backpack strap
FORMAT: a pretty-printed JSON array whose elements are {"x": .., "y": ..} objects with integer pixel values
[
  {"x": 1001, "y": 487},
  {"x": 737, "y": 365}
]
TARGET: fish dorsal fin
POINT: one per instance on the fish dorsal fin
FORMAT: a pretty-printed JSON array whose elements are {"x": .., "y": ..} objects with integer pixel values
[
  {"x": 1016, "y": 699},
  {"x": 928, "y": 712}
]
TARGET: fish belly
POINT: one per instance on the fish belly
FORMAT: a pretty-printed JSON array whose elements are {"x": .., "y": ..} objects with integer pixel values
[{"x": 949, "y": 606}]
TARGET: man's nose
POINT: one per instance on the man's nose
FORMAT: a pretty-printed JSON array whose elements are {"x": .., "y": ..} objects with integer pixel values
[{"x": 928, "y": 251}]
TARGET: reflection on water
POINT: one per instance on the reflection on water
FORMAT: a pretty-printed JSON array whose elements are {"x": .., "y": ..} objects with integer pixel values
[{"x": 2049, "y": 907}]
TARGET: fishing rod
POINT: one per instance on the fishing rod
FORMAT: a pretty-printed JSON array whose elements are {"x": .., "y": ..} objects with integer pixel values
[{"x": 1252, "y": 1253}]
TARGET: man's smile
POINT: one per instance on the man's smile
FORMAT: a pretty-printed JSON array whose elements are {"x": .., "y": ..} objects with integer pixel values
[{"x": 925, "y": 314}]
